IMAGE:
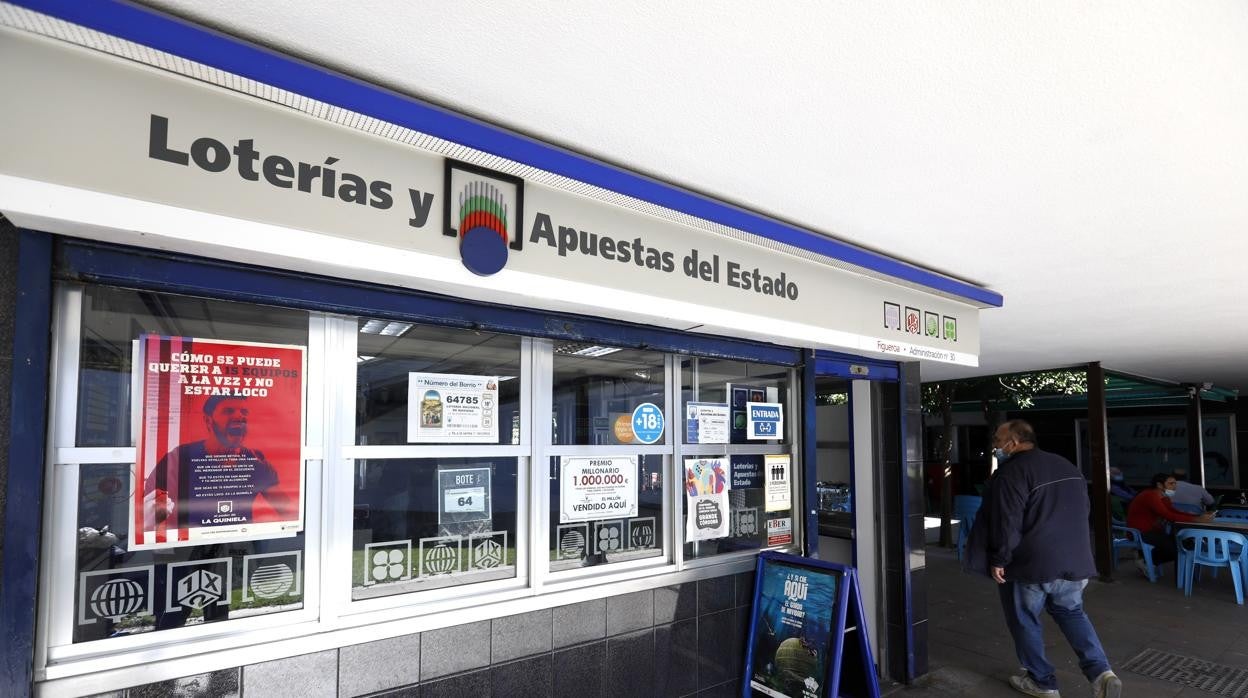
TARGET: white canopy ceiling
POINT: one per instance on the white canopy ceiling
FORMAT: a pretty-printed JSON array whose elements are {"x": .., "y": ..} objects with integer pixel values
[{"x": 1089, "y": 161}]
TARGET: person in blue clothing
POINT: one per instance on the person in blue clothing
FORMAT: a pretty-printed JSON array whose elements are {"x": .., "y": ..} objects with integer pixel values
[{"x": 1032, "y": 538}]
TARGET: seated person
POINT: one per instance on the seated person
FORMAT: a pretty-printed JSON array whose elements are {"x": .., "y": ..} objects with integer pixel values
[
  {"x": 1189, "y": 497},
  {"x": 1151, "y": 510}
]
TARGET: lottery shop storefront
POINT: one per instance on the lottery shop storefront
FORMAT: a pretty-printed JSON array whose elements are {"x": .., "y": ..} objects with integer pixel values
[{"x": 345, "y": 393}]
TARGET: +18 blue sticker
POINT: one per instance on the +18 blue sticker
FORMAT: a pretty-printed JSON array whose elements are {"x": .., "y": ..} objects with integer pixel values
[{"x": 648, "y": 423}]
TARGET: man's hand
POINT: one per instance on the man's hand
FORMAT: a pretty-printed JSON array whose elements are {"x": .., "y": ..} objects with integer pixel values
[
  {"x": 1208, "y": 516},
  {"x": 157, "y": 505},
  {"x": 998, "y": 574}
]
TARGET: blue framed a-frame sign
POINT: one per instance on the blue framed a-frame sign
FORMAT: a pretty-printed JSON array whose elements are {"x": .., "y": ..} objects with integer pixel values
[{"x": 808, "y": 634}]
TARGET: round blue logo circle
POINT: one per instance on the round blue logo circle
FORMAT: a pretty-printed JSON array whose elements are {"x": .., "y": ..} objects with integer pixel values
[
  {"x": 483, "y": 250},
  {"x": 648, "y": 423}
]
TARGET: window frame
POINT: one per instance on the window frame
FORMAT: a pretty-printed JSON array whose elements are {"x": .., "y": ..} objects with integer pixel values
[{"x": 334, "y": 308}]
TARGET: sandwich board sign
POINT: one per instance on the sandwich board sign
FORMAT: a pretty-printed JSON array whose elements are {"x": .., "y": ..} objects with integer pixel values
[{"x": 808, "y": 635}]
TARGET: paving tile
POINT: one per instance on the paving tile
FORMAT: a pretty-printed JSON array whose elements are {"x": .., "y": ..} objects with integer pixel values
[
  {"x": 378, "y": 665},
  {"x": 305, "y": 676},
  {"x": 455, "y": 649},
  {"x": 216, "y": 684},
  {"x": 675, "y": 603},
  {"x": 628, "y": 666},
  {"x": 716, "y": 594},
  {"x": 475, "y": 684},
  {"x": 527, "y": 678},
  {"x": 580, "y": 622},
  {"x": 676, "y": 659},
  {"x": 629, "y": 612},
  {"x": 579, "y": 671},
  {"x": 520, "y": 635}
]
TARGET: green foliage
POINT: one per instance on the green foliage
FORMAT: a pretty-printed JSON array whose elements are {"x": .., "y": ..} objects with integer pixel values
[{"x": 1014, "y": 391}]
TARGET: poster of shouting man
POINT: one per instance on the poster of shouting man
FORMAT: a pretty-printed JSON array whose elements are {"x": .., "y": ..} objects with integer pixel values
[{"x": 219, "y": 442}]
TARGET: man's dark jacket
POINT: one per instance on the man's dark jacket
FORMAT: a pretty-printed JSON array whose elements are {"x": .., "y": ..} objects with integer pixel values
[{"x": 1034, "y": 521}]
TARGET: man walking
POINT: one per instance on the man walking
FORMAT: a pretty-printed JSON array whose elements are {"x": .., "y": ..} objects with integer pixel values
[{"x": 1040, "y": 554}]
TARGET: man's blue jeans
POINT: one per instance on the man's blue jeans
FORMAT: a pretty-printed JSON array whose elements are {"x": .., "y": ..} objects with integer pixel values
[{"x": 1063, "y": 600}]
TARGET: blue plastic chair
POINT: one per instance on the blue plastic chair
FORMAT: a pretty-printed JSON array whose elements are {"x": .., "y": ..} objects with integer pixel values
[
  {"x": 965, "y": 507},
  {"x": 1212, "y": 549},
  {"x": 1126, "y": 538},
  {"x": 1232, "y": 515}
]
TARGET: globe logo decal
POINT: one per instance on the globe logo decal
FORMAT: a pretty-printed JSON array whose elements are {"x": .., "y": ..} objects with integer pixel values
[
  {"x": 483, "y": 235},
  {"x": 117, "y": 598}
]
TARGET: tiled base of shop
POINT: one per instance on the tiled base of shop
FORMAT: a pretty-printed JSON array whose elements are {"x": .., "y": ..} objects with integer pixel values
[{"x": 685, "y": 640}]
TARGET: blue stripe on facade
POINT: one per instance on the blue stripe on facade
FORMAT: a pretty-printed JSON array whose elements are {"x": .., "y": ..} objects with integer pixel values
[
  {"x": 145, "y": 269},
  {"x": 28, "y": 401},
  {"x": 831, "y": 363},
  {"x": 162, "y": 32}
]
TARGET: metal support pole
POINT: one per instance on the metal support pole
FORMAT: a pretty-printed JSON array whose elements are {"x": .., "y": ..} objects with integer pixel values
[
  {"x": 1098, "y": 447},
  {"x": 1195, "y": 438}
]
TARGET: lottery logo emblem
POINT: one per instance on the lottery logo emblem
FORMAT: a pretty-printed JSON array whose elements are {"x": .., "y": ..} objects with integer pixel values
[
  {"x": 488, "y": 554},
  {"x": 200, "y": 588},
  {"x": 483, "y": 209},
  {"x": 271, "y": 581},
  {"x": 912, "y": 320},
  {"x": 117, "y": 598},
  {"x": 746, "y": 521},
  {"x": 440, "y": 560},
  {"x": 609, "y": 536},
  {"x": 439, "y": 556},
  {"x": 641, "y": 532},
  {"x": 387, "y": 562},
  {"x": 487, "y": 550},
  {"x": 572, "y": 542}
]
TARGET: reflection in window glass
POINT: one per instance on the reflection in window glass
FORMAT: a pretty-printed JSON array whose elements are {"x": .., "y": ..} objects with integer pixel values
[
  {"x": 468, "y": 384},
  {"x": 605, "y": 509},
  {"x": 114, "y": 318},
  {"x": 430, "y": 523},
  {"x": 123, "y": 593},
  {"x": 598, "y": 389},
  {"x": 715, "y": 390}
]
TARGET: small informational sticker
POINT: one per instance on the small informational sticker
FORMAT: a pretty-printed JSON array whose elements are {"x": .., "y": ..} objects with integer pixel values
[
  {"x": 779, "y": 489},
  {"x": 779, "y": 531},
  {"x": 465, "y": 495},
  {"x": 706, "y": 422},
  {"x": 747, "y": 472},
  {"x": 452, "y": 408},
  {"x": 706, "y": 489},
  {"x": 598, "y": 487},
  {"x": 764, "y": 421},
  {"x": 648, "y": 423}
]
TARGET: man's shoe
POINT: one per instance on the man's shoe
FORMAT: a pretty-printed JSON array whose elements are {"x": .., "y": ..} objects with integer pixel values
[
  {"x": 1107, "y": 685},
  {"x": 1026, "y": 684}
]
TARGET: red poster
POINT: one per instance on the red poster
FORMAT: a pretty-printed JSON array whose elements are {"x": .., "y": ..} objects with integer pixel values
[{"x": 219, "y": 443}]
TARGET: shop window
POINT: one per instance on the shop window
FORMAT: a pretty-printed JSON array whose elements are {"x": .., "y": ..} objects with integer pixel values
[
  {"x": 430, "y": 385},
  {"x": 605, "y": 396},
  {"x": 604, "y": 509},
  {"x": 206, "y": 524},
  {"x": 113, "y": 320},
  {"x": 424, "y": 524},
  {"x": 738, "y": 466},
  {"x": 120, "y": 593}
]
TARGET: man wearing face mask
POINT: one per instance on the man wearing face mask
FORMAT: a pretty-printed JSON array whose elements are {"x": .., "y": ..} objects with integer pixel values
[
  {"x": 1039, "y": 552},
  {"x": 1152, "y": 509}
]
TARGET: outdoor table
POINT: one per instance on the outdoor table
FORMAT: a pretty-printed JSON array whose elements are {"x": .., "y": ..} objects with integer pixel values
[{"x": 1233, "y": 526}]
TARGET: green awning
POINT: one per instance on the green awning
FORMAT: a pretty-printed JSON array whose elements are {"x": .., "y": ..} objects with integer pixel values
[{"x": 1121, "y": 390}]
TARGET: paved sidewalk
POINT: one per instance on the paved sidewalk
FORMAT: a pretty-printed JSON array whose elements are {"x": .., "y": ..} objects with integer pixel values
[{"x": 971, "y": 653}]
